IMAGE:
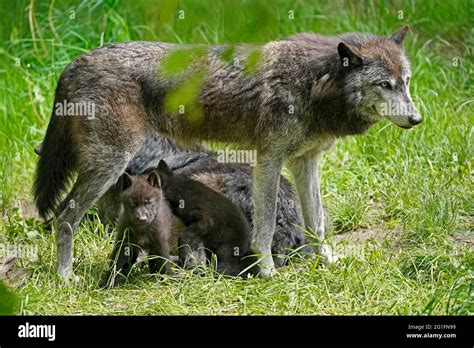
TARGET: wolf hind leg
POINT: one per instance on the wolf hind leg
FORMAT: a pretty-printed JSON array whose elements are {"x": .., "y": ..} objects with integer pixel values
[{"x": 88, "y": 187}]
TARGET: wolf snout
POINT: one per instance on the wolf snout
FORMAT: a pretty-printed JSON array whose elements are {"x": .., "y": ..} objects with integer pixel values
[
  {"x": 141, "y": 218},
  {"x": 415, "y": 119}
]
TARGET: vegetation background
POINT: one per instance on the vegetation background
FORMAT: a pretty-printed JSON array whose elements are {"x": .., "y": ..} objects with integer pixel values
[{"x": 399, "y": 203}]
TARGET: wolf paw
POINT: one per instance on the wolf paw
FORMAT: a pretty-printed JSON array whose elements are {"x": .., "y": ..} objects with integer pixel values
[
  {"x": 328, "y": 256},
  {"x": 71, "y": 279},
  {"x": 267, "y": 267}
]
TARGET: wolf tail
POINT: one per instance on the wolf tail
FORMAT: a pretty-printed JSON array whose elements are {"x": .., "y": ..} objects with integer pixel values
[{"x": 55, "y": 166}]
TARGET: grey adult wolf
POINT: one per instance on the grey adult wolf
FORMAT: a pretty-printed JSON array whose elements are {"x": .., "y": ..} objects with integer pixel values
[{"x": 305, "y": 92}]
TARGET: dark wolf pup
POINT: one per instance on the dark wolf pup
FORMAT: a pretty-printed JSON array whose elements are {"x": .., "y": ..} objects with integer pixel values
[
  {"x": 305, "y": 92},
  {"x": 144, "y": 225},
  {"x": 212, "y": 223}
]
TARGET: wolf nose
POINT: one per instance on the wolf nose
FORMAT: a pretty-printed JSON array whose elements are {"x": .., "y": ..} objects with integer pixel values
[
  {"x": 141, "y": 218},
  {"x": 415, "y": 120}
]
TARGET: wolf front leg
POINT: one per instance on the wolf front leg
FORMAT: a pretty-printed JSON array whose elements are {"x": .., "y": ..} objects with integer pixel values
[
  {"x": 305, "y": 173},
  {"x": 161, "y": 263},
  {"x": 266, "y": 181},
  {"x": 123, "y": 257}
]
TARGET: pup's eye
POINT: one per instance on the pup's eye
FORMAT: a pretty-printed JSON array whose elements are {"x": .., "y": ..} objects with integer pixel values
[
  {"x": 385, "y": 84},
  {"x": 408, "y": 80}
]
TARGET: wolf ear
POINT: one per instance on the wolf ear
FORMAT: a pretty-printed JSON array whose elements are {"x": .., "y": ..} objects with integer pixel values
[
  {"x": 154, "y": 179},
  {"x": 164, "y": 169},
  {"x": 399, "y": 36},
  {"x": 127, "y": 180},
  {"x": 348, "y": 57}
]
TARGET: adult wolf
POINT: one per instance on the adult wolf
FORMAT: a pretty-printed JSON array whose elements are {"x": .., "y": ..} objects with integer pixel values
[{"x": 305, "y": 92}]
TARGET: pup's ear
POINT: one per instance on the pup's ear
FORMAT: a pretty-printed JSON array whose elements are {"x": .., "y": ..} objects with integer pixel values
[
  {"x": 348, "y": 57},
  {"x": 399, "y": 36},
  {"x": 127, "y": 181},
  {"x": 164, "y": 169},
  {"x": 154, "y": 179}
]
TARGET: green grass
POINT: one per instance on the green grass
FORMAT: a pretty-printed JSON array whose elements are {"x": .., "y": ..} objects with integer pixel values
[{"x": 415, "y": 185}]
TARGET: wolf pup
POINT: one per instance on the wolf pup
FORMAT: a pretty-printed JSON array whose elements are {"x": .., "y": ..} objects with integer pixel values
[
  {"x": 144, "y": 224},
  {"x": 304, "y": 93},
  {"x": 213, "y": 223}
]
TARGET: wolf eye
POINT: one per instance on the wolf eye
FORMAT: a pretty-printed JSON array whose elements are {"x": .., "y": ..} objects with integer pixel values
[
  {"x": 408, "y": 80},
  {"x": 385, "y": 84}
]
